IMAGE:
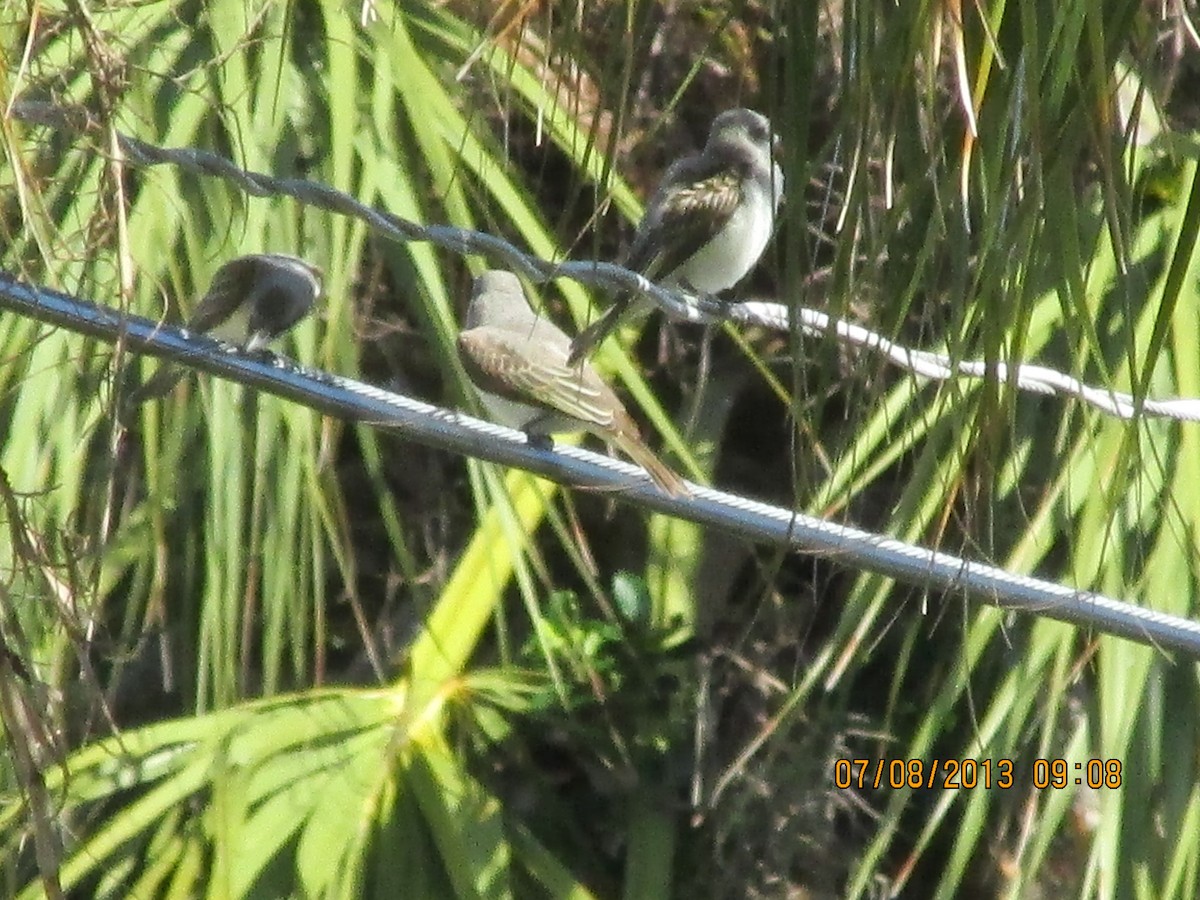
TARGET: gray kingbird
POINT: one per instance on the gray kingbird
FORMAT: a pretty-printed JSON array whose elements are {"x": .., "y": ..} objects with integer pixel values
[
  {"x": 518, "y": 360},
  {"x": 252, "y": 301},
  {"x": 708, "y": 223}
]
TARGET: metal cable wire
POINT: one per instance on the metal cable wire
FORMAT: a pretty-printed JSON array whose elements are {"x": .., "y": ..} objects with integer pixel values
[
  {"x": 676, "y": 303},
  {"x": 938, "y": 366},
  {"x": 459, "y": 433}
]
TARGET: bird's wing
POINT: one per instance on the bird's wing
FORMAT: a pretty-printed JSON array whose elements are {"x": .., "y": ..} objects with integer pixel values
[
  {"x": 697, "y": 196},
  {"x": 225, "y": 294},
  {"x": 499, "y": 362},
  {"x": 695, "y": 200}
]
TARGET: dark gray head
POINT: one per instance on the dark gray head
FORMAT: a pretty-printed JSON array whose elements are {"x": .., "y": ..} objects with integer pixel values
[
  {"x": 257, "y": 297},
  {"x": 285, "y": 290},
  {"x": 746, "y": 133},
  {"x": 497, "y": 299},
  {"x": 292, "y": 273},
  {"x": 743, "y": 124},
  {"x": 744, "y": 139}
]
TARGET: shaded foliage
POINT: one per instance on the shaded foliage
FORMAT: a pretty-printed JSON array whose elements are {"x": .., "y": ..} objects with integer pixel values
[{"x": 393, "y": 673}]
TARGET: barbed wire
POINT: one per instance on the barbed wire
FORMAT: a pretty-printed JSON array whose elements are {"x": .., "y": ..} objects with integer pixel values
[
  {"x": 676, "y": 303},
  {"x": 457, "y": 432}
]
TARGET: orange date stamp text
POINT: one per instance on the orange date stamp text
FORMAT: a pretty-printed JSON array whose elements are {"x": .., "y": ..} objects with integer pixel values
[{"x": 970, "y": 774}]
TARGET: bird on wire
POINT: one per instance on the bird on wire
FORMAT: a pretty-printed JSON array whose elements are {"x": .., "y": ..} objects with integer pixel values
[
  {"x": 252, "y": 301},
  {"x": 518, "y": 361},
  {"x": 707, "y": 224}
]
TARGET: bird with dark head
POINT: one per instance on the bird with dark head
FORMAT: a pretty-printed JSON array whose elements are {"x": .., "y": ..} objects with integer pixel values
[
  {"x": 252, "y": 300},
  {"x": 255, "y": 299},
  {"x": 518, "y": 361},
  {"x": 708, "y": 223}
]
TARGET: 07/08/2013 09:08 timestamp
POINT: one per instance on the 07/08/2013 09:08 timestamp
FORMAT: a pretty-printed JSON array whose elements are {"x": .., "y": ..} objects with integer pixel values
[{"x": 968, "y": 774}]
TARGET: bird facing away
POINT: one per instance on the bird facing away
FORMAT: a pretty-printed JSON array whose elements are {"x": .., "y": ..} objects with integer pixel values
[
  {"x": 708, "y": 223},
  {"x": 252, "y": 301},
  {"x": 255, "y": 299},
  {"x": 518, "y": 361}
]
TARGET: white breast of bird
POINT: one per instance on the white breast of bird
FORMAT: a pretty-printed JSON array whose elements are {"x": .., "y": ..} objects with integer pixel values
[
  {"x": 507, "y": 412},
  {"x": 516, "y": 415},
  {"x": 729, "y": 256},
  {"x": 236, "y": 328}
]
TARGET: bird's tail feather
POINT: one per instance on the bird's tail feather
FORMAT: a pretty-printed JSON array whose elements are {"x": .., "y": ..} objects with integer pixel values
[
  {"x": 158, "y": 385},
  {"x": 589, "y": 339},
  {"x": 659, "y": 473}
]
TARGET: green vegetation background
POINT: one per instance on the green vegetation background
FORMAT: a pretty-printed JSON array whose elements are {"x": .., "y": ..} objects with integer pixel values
[{"x": 251, "y": 651}]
